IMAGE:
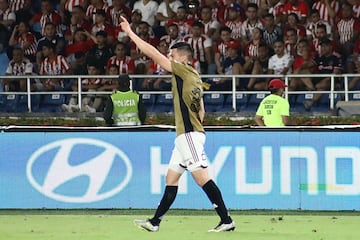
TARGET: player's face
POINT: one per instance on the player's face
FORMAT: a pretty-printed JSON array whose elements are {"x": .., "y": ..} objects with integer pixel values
[{"x": 176, "y": 56}]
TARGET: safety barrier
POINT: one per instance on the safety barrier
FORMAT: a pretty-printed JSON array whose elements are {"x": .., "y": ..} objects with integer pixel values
[{"x": 233, "y": 98}]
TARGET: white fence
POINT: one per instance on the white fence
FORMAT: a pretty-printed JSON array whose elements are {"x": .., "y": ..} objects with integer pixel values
[{"x": 332, "y": 92}]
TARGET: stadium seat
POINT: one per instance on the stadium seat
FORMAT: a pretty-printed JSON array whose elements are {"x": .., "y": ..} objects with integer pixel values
[
  {"x": 354, "y": 96},
  {"x": 241, "y": 102},
  {"x": 9, "y": 103},
  {"x": 149, "y": 101},
  {"x": 214, "y": 102},
  {"x": 52, "y": 103},
  {"x": 164, "y": 103},
  {"x": 254, "y": 101},
  {"x": 323, "y": 104},
  {"x": 22, "y": 105}
]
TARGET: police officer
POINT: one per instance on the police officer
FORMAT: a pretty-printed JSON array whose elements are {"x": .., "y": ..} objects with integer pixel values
[{"x": 124, "y": 107}]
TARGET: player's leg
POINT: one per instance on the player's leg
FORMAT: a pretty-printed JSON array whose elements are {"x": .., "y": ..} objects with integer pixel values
[
  {"x": 172, "y": 181},
  {"x": 197, "y": 164},
  {"x": 173, "y": 175}
]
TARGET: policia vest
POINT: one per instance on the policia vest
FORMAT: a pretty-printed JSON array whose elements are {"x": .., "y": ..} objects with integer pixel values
[{"x": 125, "y": 111}]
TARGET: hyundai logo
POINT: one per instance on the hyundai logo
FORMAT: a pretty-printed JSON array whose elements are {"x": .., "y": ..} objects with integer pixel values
[{"x": 79, "y": 170}]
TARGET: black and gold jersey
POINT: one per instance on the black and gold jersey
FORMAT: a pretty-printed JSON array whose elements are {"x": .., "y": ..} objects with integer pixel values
[{"x": 187, "y": 94}]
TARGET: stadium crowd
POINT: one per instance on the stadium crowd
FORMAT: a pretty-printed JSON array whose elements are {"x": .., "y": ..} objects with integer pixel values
[{"x": 84, "y": 37}]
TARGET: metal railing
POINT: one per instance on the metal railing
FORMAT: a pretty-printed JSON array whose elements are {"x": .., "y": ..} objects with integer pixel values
[{"x": 287, "y": 78}]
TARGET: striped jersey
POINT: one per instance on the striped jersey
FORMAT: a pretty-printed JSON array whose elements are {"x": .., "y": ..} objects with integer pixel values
[{"x": 187, "y": 94}]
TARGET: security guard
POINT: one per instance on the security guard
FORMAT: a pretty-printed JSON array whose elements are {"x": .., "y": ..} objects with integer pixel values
[
  {"x": 124, "y": 107},
  {"x": 273, "y": 110}
]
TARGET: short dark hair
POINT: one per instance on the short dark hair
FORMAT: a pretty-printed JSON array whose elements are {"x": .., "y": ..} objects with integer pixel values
[
  {"x": 124, "y": 81},
  {"x": 184, "y": 47}
]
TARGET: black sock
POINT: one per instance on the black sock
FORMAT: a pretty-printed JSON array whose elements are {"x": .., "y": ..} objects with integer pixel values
[
  {"x": 165, "y": 203},
  {"x": 214, "y": 195}
]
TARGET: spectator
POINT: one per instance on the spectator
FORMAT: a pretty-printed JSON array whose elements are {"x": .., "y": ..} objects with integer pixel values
[
  {"x": 89, "y": 103},
  {"x": 93, "y": 8},
  {"x": 298, "y": 7},
  {"x": 232, "y": 65},
  {"x": 314, "y": 21},
  {"x": 217, "y": 9},
  {"x": 192, "y": 8},
  {"x": 291, "y": 41},
  {"x": 124, "y": 107},
  {"x": 125, "y": 64},
  {"x": 251, "y": 49},
  {"x": 70, "y": 5},
  {"x": 19, "y": 65},
  {"x": 101, "y": 51},
  {"x": 173, "y": 35},
  {"x": 252, "y": 21},
  {"x": 274, "y": 110},
  {"x": 281, "y": 61},
  {"x": 303, "y": 64},
  {"x": 271, "y": 31},
  {"x": 235, "y": 22},
  {"x": 47, "y": 14},
  {"x": 117, "y": 9},
  {"x": 82, "y": 42},
  {"x": 23, "y": 38},
  {"x": 143, "y": 33},
  {"x": 155, "y": 69},
  {"x": 4, "y": 61},
  {"x": 276, "y": 8},
  {"x": 78, "y": 66},
  {"x": 165, "y": 12},
  {"x": 50, "y": 35},
  {"x": 211, "y": 27},
  {"x": 110, "y": 84},
  {"x": 353, "y": 84},
  {"x": 7, "y": 16},
  {"x": 260, "y": 67},
  {"x": 321, "y": 35},
  {"x": 202, "y": 46},
  {"x": 347, "y": 30},
  {"x": 327, "y": 63},
  {"x": 184, "y": 24},
  {"x": 148, "y": 10},
  {"x": 101, "y": 25},
  {"x": 53, "y": 65},
  {"x": 221, "y": 48},
  {"x": 328, "y": 9},
  {"x": 293, "y": 22},
  {"x": 356, "y": 7},
  {"x": 77, "y": 20}
]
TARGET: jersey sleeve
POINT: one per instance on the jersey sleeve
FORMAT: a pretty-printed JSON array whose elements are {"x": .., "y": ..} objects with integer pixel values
[
  {"x": 285, "y": 108},
  {"x": 260, "y": 110}
]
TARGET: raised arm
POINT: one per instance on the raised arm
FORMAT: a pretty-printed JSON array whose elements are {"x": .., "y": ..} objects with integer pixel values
[{"x": 145, "y": 47}]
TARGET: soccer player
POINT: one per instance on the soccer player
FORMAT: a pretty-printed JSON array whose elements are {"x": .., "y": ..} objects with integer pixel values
[{"x": 188, "y": 153}]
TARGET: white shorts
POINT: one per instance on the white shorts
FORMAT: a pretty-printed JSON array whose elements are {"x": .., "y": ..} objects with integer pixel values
[{"x": 188, "y": 153}]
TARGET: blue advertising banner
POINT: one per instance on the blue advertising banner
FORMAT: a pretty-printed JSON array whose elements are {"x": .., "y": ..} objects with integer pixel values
[{"x": 315, "y": 170}]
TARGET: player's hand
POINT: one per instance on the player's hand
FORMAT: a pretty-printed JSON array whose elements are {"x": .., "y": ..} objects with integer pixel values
[{"x": 125, "y": 26}]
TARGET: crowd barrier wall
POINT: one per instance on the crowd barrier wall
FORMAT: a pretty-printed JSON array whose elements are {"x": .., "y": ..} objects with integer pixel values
[
  {"x": 331, "y": 96},
  {"x": 256, "y": 168}
]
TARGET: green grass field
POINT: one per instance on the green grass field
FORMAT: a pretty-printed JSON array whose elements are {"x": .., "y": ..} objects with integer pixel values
[{"x": 177, "y": 225}]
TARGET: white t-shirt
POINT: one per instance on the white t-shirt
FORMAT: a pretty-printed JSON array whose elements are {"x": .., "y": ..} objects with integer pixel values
[
  {"x": 278, "y": 64},
  {"x": 162, "y": 9},
  {"x": 148, "y": 11}
]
